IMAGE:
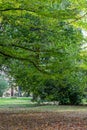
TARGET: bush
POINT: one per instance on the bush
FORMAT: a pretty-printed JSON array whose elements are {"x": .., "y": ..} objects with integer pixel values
[
  {"x": 66, "y": 95},
  {"x": 70, "y": 95}
]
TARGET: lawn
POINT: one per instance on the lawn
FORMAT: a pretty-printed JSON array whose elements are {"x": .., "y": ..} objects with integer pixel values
[
  {"x": 22, "y": 114},
  {"x": 26, "y": 104}
]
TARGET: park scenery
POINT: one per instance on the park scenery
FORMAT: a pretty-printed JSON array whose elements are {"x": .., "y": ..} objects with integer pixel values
[{"x": 43, "y": 64}]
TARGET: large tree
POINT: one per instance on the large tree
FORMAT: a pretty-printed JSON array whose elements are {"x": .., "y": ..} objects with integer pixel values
[
  {"x": 35, "y": 31},
  {"x": 45, "y": 36}
]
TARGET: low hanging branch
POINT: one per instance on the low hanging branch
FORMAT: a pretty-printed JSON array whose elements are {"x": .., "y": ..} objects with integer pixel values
[
  {"x": 79, "y": 18},
  {"x": 24, "y": 59},
  {"x": 31, "y": 50},
  {"x": 33, "y": 10},
  {"x": 14, "y": 9},
  {"x": 19, "y": 46}
]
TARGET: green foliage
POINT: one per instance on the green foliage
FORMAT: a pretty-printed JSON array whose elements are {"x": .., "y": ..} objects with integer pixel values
[
  {"x": 35, "y": 31},
  {"x": 70, "y": 95},
  {"x": 42, "y": 40},
  {"x": 66, "y": 95}
]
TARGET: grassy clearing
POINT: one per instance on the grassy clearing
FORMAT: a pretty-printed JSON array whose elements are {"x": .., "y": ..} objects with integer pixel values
[
  {"x": 15, "y": 102},
  {"x": 23, "y": 104}
]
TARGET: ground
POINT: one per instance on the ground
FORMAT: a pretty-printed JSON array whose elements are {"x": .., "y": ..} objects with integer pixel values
[
  {"x": 20, "y": 114},
  {"x": 43, "y": 120}
]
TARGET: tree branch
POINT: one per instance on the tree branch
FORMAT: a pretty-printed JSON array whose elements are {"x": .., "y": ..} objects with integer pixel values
[
  {"x": 14, "y": 9},
  {"x": 28, "y": 49},
  {"x": 77, "y": 19},
  {"x": 15, "y": 45},
  {"x": 24, "y": 59},
  {"x": 23, "y": 9}
]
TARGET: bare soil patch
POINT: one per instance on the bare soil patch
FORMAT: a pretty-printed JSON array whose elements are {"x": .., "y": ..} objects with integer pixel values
[{"x": 43, "y": 120}]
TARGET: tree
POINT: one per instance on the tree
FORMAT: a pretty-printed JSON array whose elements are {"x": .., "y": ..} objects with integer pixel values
[
  {"x": 30, "y": 31},
  {"x": 44, "y": 35},
  {"x": 3, "y": 85}
]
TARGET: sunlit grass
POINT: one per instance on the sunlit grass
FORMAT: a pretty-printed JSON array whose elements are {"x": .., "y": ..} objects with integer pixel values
[
  {"x": 12, "y": 102},
  {"x": 25, "y": 104}
]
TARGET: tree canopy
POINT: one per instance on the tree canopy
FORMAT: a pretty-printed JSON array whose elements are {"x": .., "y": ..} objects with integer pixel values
[
  {"x": 42, "y": 40},
  {"x": 34, "y": 30}
]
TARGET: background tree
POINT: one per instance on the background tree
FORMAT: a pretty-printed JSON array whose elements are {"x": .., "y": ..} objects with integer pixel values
[{"x": 3, "y": 85}]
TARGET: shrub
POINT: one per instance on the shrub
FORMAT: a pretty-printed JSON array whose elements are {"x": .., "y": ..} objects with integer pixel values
[
  {"x": 66, "y": 95},
  {"x": 70, "y": 95}
]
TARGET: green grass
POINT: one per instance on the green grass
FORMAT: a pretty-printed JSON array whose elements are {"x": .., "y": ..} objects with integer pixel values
[
  {"x": 15, "y": 102},
  {"x": 60, "y": 108},
  {"x": 26, "y": 104}
]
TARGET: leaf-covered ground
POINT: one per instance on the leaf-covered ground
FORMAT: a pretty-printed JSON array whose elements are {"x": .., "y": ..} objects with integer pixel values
[{"x": 31, "y": 120}]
